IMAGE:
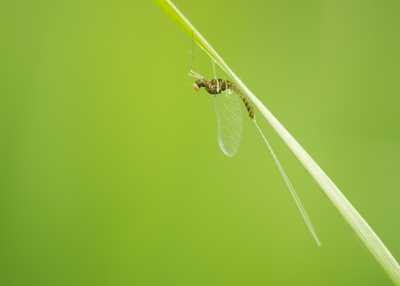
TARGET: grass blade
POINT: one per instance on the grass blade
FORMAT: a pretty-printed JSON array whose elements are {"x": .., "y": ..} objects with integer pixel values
[{"x": 350, "y": 215}]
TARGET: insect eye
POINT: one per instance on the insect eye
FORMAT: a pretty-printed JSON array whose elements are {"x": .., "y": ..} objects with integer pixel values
[{"x": 196, "y": 87}]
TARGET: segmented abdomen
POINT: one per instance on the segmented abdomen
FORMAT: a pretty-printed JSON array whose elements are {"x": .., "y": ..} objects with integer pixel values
[
  {"x": 246, "y": 102},
  {"x": 215, "y": 86}
]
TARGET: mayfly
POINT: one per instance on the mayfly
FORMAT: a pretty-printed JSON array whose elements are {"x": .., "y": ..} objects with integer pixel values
[
  {"x": 225, "y": 97},
  {"x": 224, "y": 94}
]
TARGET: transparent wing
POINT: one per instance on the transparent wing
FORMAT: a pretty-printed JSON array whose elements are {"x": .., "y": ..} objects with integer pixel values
[{"x": 229, "y": 119}]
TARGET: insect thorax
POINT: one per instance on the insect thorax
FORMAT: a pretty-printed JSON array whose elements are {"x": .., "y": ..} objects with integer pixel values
[{"x": 215, "y": 86}]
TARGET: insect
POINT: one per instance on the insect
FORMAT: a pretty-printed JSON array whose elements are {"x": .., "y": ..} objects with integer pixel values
[
  {"x": 225, "y": 97},
  {"x": 216, "y": 86}
]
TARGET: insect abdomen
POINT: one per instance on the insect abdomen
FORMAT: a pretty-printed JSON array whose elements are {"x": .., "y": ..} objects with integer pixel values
[{"x": 246, "y": 102}]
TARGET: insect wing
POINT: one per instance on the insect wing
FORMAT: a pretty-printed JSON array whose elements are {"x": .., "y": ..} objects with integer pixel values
[{"x": 229, "y": 119}]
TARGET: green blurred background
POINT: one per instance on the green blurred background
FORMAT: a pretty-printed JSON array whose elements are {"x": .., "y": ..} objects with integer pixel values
[{"x": 111, "y": 173}]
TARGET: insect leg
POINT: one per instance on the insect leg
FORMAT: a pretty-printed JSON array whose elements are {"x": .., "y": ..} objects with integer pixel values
[{"x": 215, "y": 76}]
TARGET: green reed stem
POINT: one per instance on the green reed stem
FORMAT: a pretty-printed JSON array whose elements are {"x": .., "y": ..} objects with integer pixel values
[{"x": 353, "y": 219}]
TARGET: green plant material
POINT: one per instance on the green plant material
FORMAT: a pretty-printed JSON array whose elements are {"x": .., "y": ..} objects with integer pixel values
[{"x": 354, "y": 220}]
